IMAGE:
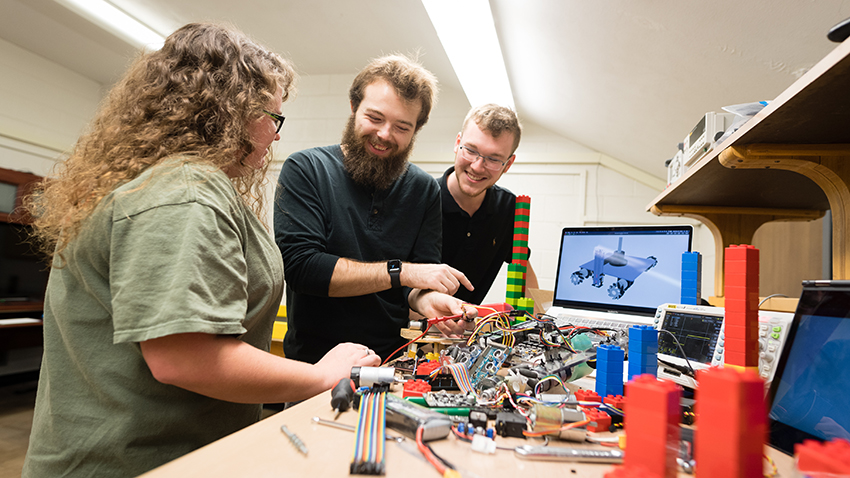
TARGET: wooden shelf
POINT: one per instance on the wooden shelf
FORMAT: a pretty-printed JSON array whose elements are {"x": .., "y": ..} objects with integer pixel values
[
  {"x": 791, "y": 162},
  {"x": 20, "y": 306}
]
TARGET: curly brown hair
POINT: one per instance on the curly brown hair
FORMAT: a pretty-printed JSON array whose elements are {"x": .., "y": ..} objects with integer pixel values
[
  {"x": 409, "y": 78},
  {"x": 494, "y": 120},
  {"x": 195, "y": 96}
]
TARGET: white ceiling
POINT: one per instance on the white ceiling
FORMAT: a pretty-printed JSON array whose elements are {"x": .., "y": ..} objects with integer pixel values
[{"x": 628, "y": 78}]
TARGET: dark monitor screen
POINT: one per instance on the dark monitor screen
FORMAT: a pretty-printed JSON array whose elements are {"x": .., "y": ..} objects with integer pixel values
[
  {"x": 23, "y": 275},
  {"x": 631, "y": 269},
  {"x": 808, "y": 396}
]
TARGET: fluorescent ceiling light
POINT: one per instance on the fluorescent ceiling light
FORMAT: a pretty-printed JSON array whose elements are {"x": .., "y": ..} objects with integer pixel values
[
  {"x": 110, "y": 18},
  {"x": 468, "y": 35}
]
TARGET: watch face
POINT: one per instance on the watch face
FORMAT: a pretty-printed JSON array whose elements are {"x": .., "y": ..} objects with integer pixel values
[{"x": 394, "y": 270}]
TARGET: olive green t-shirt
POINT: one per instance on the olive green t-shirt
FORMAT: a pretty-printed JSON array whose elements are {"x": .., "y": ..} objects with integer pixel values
[{"x": 173, "y": 251}]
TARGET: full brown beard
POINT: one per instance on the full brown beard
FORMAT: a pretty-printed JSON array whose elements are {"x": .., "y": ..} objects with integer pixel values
[{"x": 367, "y": 169}]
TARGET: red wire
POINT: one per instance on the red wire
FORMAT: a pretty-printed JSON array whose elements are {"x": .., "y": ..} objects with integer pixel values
[
  {"x": 441, "y": 468},
  {"x": 430, "y": 323},
  {"x": 403, "y": 346}
]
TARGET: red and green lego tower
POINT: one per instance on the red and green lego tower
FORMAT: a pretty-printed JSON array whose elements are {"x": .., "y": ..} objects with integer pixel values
[{"x": 515, "y": 295}]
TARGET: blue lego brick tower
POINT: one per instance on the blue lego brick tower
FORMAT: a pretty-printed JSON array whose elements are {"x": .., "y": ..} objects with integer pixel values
[
  {"x": 691, "y": 278},
  {"x": 643, "y": 350},
  {"x": 609, "y": 370}
]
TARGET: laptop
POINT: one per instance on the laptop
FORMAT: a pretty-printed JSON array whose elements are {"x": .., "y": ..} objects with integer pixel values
[
  {"x": 808, "y": 396},
  {"x": 617, "y": 276}
]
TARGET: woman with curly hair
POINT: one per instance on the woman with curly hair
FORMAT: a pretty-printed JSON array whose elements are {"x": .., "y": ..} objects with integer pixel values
[{"x": 164, "y": 281}]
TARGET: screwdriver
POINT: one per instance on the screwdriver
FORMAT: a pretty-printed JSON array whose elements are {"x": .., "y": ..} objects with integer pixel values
[{"x": 341, "y": 396}]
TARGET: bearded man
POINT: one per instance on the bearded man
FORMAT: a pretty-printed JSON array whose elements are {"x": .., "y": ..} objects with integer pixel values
[{"x": 359, "y": 227}]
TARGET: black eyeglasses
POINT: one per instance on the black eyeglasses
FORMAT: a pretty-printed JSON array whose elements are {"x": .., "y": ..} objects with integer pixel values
[
  {"x": 278, "y": 119},
  {"x": 472, "y": 156}
]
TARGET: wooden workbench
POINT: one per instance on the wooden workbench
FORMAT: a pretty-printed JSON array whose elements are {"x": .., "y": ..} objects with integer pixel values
[{"x": 262, "y": 450}]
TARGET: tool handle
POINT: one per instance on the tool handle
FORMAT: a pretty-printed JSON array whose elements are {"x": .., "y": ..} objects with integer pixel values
[{"x": 341, "y": 394}]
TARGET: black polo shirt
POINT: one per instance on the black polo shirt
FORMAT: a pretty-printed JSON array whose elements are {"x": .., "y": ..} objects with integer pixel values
[{"x": 478, "y": 245}]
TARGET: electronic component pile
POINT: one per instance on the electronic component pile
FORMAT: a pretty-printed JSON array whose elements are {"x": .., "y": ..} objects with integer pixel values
[{"x": 512, "y": 369}]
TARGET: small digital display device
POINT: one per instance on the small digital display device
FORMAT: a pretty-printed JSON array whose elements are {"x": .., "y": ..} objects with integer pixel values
[
  {"x": 702, "y": 137},
  {"x": 808, "y": 396},
  {"x": 698, "y": 329},
  {"x": 698, "y": 335}
]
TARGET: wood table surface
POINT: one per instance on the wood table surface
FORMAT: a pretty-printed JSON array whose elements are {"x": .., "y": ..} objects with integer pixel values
[{"x": 262, "y": 450}]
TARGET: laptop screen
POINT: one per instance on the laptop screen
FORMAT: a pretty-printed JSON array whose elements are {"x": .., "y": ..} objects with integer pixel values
[
  {"x": 628, "y": 269},
  {"x": 808, "y": 396}
]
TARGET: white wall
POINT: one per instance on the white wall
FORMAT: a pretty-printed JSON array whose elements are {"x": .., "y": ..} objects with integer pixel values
[{"x": 45, "y": 107}]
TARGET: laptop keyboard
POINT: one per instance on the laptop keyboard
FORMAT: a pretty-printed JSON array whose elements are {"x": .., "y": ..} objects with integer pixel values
[{"x": 562, "y": 320}]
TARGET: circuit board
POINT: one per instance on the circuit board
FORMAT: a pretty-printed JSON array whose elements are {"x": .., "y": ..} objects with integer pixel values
[
  {"x": 466, "y": 355},
  {"x": 527, "y": 352},
  {"x": 443, "y": 399},
  {"x": 488, "y": 363}
]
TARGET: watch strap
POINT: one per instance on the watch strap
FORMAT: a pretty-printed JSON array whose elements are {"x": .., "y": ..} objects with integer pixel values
[{"x": 394, "y": 269}]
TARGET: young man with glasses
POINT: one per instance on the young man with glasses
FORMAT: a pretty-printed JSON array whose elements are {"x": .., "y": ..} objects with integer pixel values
[
  {"x": 359, "y": 226},
  {"x": 478, "y": 216}
]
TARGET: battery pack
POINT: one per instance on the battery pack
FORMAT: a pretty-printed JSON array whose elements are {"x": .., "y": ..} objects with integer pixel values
[{"x": 405, "y": 417}]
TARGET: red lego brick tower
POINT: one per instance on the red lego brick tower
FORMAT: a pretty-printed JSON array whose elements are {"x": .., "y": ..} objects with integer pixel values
[
  {"x": 731, "y": 424},
  {"x": 652, "y": 429},
  {"x": 742, "y": 316}
]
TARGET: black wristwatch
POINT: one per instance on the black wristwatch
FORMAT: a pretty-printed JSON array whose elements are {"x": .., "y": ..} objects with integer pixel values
[{"x": 394, "y": 268}]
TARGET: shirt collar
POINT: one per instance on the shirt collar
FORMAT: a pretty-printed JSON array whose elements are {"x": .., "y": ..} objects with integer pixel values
[{"x": 487, "y": 205}]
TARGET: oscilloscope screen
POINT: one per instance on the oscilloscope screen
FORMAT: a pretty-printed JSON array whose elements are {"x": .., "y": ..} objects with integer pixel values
[{"x": 698, "y": 335}]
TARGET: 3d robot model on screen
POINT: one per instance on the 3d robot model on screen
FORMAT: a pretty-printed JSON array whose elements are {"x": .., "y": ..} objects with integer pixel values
[{"x": 616, "y": 264}]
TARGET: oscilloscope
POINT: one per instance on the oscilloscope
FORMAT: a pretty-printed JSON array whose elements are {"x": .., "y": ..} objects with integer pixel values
[{"x": 699, "y": 329}]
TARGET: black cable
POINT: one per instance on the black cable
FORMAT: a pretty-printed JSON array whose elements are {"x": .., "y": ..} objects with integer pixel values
[
  {"x": 681, "y": 351},
  {"x": 460, "y": 436},
  {"x": 443, "y": 460},
  {"x": 681, "y": 368},
  {"x": 551, "y": 320}
]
